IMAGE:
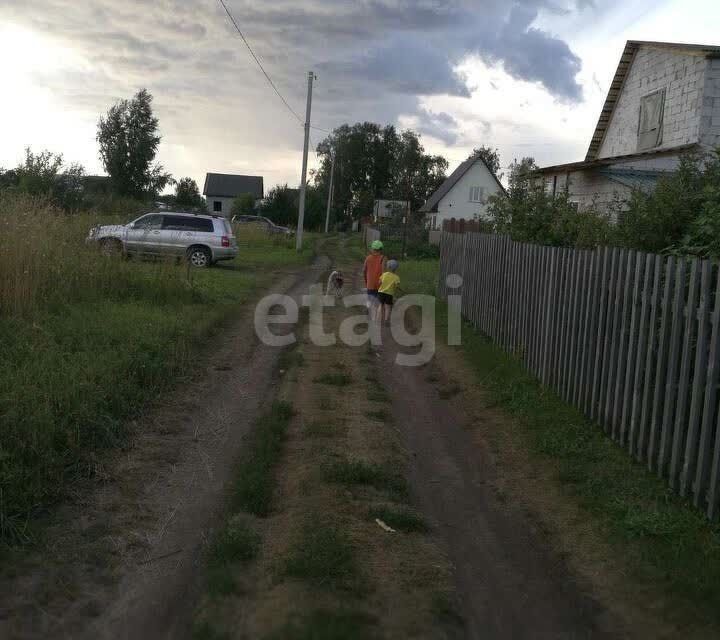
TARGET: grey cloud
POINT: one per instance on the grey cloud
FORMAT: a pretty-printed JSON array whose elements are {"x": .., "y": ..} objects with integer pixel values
[
  {"x": 438, "y": 125},
  {"x": 374, "y": 58}
]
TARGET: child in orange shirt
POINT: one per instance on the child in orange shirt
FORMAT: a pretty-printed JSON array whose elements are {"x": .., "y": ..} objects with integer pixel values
[{"x": 372, "y": 271}]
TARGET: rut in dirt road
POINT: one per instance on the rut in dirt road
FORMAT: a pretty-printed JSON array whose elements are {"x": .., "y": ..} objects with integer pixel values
[{"x": 510, "y": 584}]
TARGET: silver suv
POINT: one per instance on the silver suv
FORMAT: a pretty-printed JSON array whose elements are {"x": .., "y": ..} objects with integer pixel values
[{"x": 202, "y": 239}]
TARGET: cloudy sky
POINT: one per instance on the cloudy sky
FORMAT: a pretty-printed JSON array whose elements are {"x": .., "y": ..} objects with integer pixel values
[{"x": 527, "y": 76}]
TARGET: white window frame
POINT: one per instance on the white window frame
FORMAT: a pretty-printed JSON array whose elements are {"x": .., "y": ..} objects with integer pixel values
[{"x": 477, "y": 194}]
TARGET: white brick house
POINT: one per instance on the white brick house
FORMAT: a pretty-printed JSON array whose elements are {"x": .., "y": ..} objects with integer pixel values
[
  {"x": 464, "y": 195},
  {"x": 664, "y": 100}
]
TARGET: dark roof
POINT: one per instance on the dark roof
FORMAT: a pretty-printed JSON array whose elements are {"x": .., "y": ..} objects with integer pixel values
[
  {"x": 603, "y": 162},
  {"x": 452, "y": 180},
  {"x": 226, "y": 185},
  {"x": 626, "y": 60}
]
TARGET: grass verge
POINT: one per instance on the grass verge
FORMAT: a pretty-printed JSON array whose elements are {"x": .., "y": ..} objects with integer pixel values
[
  {"x": 662, "y": 539},
  {"x": 324, "y": 557},
  {"x": 324, "y": 624},
  {"x": 359, "y": 472},
  {"x": 86, "y": 341},
  {"x": 253, "y": 488},
  {"x": 399, "y": 518}
]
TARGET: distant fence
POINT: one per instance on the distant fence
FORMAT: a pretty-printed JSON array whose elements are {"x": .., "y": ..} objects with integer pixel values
[
  {"x": 631, "y": 339},
  {"x": 370, "y": 234},
  {"x": 455, "y": 225}
]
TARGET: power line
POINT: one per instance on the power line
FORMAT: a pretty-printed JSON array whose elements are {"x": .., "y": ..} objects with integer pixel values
[{"x": 265, "y": 73}]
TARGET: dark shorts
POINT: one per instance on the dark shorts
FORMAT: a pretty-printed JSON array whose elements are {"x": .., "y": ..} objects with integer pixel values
[
  {"x": 372, "y": 293},
  {"x": 385, "y": 298}
]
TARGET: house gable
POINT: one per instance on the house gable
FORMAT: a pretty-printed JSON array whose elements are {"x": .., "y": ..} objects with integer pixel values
[
  {"x": 676, "y": 71},
  {"x": 467, "y": 197},
  {"x": 466, "y": 188}
]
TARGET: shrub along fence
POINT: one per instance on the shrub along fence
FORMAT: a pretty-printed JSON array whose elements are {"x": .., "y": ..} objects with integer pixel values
[{"x": 631, "y": 339}]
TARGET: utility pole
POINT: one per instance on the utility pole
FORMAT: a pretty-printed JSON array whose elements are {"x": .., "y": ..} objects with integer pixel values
[
  {"x": 303, "y": 178},
  {"x": 330, "y": 191},
  {"x": 407, "y": 216}
]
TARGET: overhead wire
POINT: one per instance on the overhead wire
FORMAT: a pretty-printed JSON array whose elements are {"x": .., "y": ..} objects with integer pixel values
[{"x": 259, "y": 64}]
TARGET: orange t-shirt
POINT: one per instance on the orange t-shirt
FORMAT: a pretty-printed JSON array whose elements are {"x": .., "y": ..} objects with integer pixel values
[{"x": 373, "y": 269}]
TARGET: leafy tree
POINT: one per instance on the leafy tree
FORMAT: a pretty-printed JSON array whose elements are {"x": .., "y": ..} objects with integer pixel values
[
  {"x": 660, "y": 220},
  {"x": 69, "y": 191},
  {"x": 187, "y": 193},
  {"x": 491, "y": 157},
  {"x": 376, "y": 162},
  {"x": 282, "y": 202},
  {"x": 244, "y": 204},
  {"x": 528, "y": 214},
  {"x": 702, "y": 236},
  {"x": 38, "y": 172},
  {"x": 8, "y": 178},
  {"x": 129, "y": 140}
]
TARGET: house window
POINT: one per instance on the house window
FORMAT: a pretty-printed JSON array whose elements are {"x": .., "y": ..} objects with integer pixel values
[
  {"x": 551, "y": 185},
  {"x": 477, "y": 194},
  {"x": 433, "y": 222},
  {"x": 217, "y": 206},
  {"x": 652, "y": 107}
]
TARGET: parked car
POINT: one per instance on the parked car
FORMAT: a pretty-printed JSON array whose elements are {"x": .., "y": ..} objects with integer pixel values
[
  {"x": 263, "y": 223},
  {"x": 201, "y": 239}
]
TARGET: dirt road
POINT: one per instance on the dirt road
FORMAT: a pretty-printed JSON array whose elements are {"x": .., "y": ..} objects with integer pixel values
[
  {"x": 127, "y": 562},
  {"x": 509, "y": 582}
]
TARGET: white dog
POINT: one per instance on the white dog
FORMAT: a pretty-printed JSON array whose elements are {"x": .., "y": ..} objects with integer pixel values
[{"x": 335, "y": 284}]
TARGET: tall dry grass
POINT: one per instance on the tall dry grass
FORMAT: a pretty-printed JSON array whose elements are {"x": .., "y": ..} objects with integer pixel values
[
  {"x": 84, "y": 341},
  {"x": 45, "y": 262}
]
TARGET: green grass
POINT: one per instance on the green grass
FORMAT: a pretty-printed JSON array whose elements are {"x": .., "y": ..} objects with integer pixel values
[
  {"x": 323, "y": 556},
  {"x": 445, "y": 611},
  {"x": 87, "y": 342},
  {"x": 380, "y": 415},
  {"x": 359, "y": 472},
  {"x": 204, "y": 630},
  {"x": 334, "y": 379},
  {"x": 324, "y": 624},
  {"x": 255, "y": 479},
  {"x": 318, "y": 429},
  {"x": 378, "y": 395},
  {"x": 399, "y": 518},
  {"x": 234, "y": 544},
  {"x": 663, "y": 540}
]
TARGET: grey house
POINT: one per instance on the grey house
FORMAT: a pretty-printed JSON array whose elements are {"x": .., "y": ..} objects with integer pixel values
[
  {"x": 663, "y": 101},
  {"x": 221, "y": 189}
]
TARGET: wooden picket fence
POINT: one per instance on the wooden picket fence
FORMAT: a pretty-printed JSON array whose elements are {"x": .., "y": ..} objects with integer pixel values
[{"x": 631, "y": 339}]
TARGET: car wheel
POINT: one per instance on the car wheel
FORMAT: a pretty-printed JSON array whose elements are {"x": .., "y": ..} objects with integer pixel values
[
  {"x": 110, "y": 247},
  {"x": 199, "y": 257}
]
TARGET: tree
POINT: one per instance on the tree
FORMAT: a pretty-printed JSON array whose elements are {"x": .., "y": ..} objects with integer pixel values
[
  {"x": 69, "y": 191},
  {"x": 38, "y": 172},
  {"x": 244, "y": 204},
  {"x": 187, "y": 193},
  {"x": 281, "y": 206},
  {"x": 376, "y": 162},
  {"x": 529, "y": 214},
  {"x": 491, "y": 157},
  {"x": 129, "y": 140}
]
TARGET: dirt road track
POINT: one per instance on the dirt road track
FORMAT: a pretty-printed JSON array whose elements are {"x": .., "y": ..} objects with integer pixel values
[
  {"x": 510, "y": 583},
  {"x": 154, "y": 512}
]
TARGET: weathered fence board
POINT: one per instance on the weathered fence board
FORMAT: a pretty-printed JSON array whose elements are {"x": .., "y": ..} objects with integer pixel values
[{"x": 631, "y": 339}]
